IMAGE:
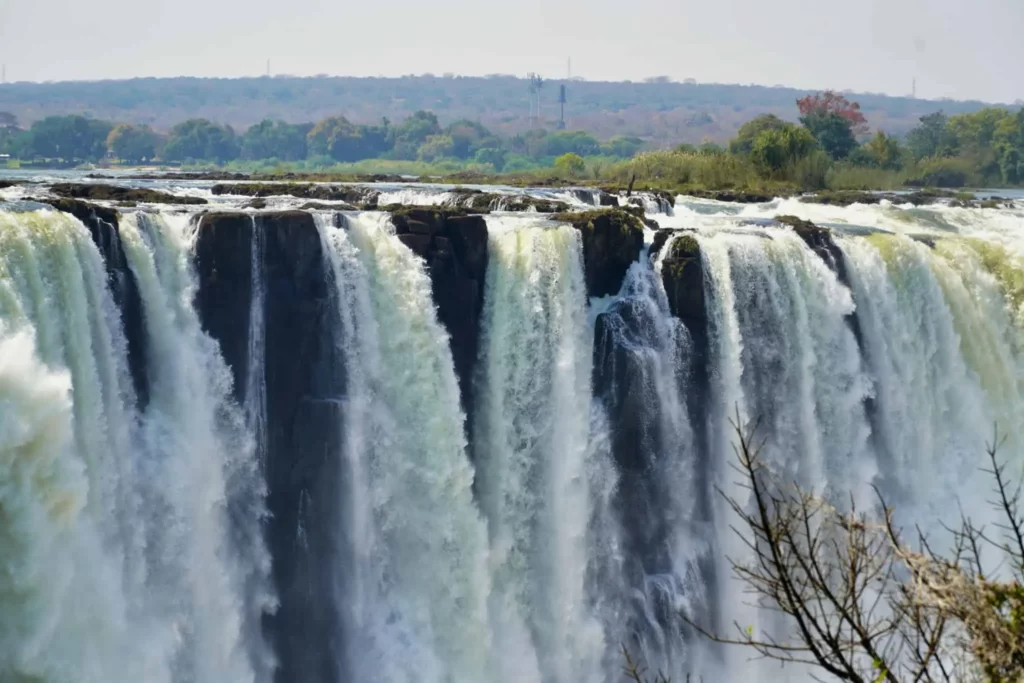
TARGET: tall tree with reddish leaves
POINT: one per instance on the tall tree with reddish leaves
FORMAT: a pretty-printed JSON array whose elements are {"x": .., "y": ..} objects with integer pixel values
[{"x": 831, "y": 102}]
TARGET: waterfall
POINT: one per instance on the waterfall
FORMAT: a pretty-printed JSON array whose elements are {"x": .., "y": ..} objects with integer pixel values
[
  {"x": 533, "y": 417},
  {"x": 130, "y": 571},
  {"x": 787, "y": 342},
  {"x": 642, "y": 357},
  {"x": 417, "y": 609},
  {"x": 160, "y": 432}
]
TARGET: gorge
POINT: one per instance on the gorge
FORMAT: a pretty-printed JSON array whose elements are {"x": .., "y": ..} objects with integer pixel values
[{"x": 409, "y": 433}]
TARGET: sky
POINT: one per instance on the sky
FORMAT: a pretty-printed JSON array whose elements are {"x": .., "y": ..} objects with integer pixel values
[{"x": 954, "y": 48}]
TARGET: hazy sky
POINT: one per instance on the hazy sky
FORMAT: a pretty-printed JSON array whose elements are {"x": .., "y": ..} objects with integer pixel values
[{"x": 965, "y": 49}]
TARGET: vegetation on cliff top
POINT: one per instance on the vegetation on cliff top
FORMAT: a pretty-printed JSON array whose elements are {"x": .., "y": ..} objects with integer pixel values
[{"x": 830, "y": 148}]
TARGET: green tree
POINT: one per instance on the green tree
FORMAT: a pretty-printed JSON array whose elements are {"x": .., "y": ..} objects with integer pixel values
[
  {"x": 743, "y": 143},
  {"x": 12, "y": 137},
  {"x": 623, "y": 146},
  {"x": 468, "y": 137},
  {"x": 436, "y": 147},
  {"x": 413, "y": 132},
  {"x": 571, "y": 142},
  {"x": 197, "y": 139},
  {"x": 884, "y": 151},
  {"x": 342, "y": 140},
  {"x": 570, "y": 164},
  {"x": 133, "y": 144},
  {"x": 275, "y": 140},
  {"x": 834, "y": 132},
  {"x": 495, "y": 156},
  {"x": 931, "y": 138},
  {"x": 776, "y": 149},
  {"x": 73, "y": 138},
  {"x": 1008, "y": 141}
]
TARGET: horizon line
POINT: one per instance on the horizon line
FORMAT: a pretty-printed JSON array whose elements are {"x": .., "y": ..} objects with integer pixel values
[{"x": 648, "y": 81}]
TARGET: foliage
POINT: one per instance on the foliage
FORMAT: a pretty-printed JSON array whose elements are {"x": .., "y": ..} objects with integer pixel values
[
  {"x": 834, "y": 132},
  {"x": 775, "y": 149},
  {"x": 931, "y": 137},
  {"x": 623, "y": 146},
  {"x": 663, "y": 114},
  {"x": 943, "y": 172},
  {"x": 276, "y": 140},
  {"x": 570, "y": 164},
  {"x": 884, "y": 151},
  {"x": 413, "y": 132},
  {"x": 743, "y": 143},
  {"x": 342, "y": 140},
  {"x": 75, "y": 138},
  {"x": 201, "y": 139},
  {"x": 133, "y": 144},
  {"x": 830, "y": 103}
]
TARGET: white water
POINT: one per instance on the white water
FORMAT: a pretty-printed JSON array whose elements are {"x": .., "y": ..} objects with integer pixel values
[
  {"x": 126, "y": 569},
  {"x": 133, "y": 550},
  {"x": 531, "y": 450},
  {"x": 657, "y": 348},
  {"x": 418, "y": 607}
]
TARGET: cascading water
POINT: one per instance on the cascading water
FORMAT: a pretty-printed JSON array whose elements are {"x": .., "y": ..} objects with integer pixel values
[
  {"x": 531, "y": 448},
  {"x": 143, "y": 580},
  {"x": 583, "y": 515},
  {"x": 642, "y": 356},
  {"x": 418, "y": 583}
]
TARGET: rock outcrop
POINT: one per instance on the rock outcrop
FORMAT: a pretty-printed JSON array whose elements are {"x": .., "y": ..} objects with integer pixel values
[
  {"x": 453, "y": 243},
  {"x": 119, "y": 194},
  {"x": 102, "y": 223},
  {"x": 682, "y": 273},
  {"x": 304, "y": 378},
  {"x": 612, "y": 241},
  {"x": 352, "y": 194}
]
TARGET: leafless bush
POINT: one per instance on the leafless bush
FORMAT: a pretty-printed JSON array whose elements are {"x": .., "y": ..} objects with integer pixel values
[{"x": 866, "y": 605}]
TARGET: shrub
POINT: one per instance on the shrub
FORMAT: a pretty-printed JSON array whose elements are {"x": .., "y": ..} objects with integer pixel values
[{"x": 570, "y": 164}]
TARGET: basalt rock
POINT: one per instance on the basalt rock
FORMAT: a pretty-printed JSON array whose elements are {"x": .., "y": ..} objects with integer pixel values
[
  {"x": 353, "y": 194},
  {"x": 484, "y": 202},
  {"x": 453, "y": 243},
  {"x": 820, "y": 241},
  {"x": 736, "y": 196},
  {"x": 114, "y": 193},
  {"x": 304, "y": 379},
  {"x": 102, "y": 223},
  {"x": 612, "y": 241}
]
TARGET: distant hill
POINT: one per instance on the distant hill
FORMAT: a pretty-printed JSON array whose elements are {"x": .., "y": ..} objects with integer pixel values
[{"x": 665, "y": 113}]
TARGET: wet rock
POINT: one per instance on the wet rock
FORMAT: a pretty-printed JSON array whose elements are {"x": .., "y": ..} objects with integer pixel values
[
  {"x": 353, "y": 194},
  {"x": 102, "y": 223},
  {"x": 304, "y": 379},
  {"x": 453, "y": 243},
  {"x": 119, "y": 194},
  {"x": 612, "y": 241},
  {"x": 737, "y": 196}
]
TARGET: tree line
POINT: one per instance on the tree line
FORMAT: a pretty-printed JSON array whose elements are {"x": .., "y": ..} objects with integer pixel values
[
  {"x": 831, "y": 136},
  {"x": 420, "y": 137}
]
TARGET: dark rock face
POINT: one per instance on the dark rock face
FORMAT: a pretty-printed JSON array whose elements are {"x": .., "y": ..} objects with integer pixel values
[
  {"x": 483, "y": 202},
  {"x": 305, "y": 378},
  {"x": 119, "y": 194},
  {"x": 682, "y": 273},
  {"x": 103, "y": 226},
  {"x": 454, "y": 245},
  {"x": 736, "y": 196},
  {"x": 354, "y": 194},
  {"x": 612, "y": 241}
]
